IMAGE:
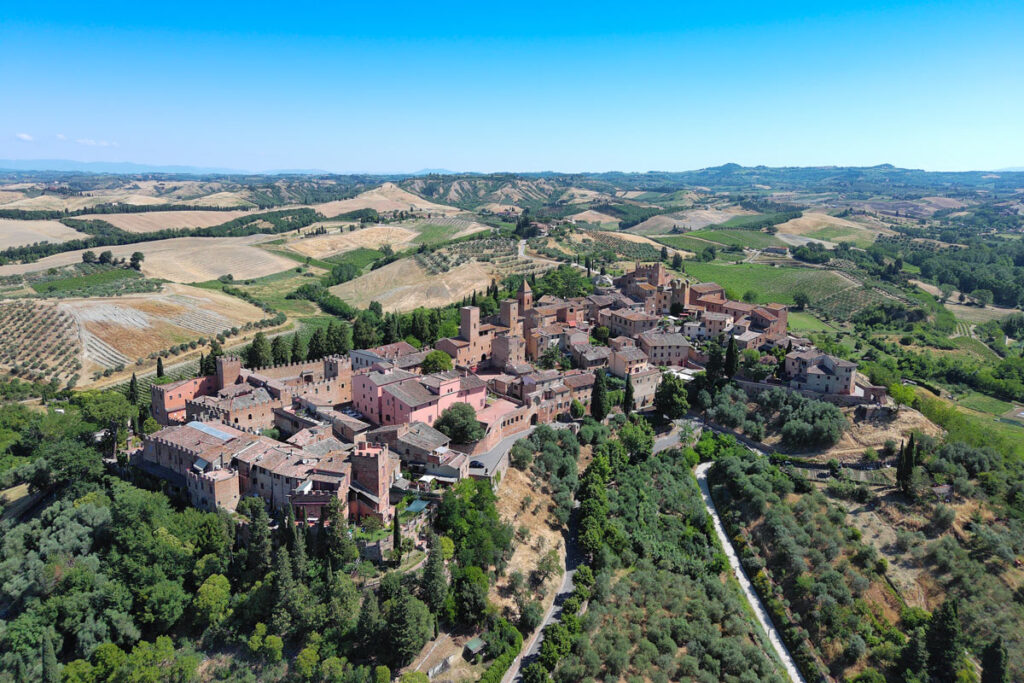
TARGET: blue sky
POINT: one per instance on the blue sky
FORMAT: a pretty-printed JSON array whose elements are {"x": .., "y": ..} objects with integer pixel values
[{"x": 524, "y": 86}]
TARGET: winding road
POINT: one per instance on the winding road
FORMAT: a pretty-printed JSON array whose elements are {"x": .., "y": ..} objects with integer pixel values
[{"x": 741, "y": 575}]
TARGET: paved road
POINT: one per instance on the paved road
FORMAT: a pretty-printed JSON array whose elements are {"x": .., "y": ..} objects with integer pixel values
[
  {"x": 741, "y": 576},
  {"x": 492, "y": 458}
]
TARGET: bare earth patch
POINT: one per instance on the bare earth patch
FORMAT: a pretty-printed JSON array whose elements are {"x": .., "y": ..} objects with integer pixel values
[
  {"x": 162, "y": 220},
  {"x": 864, "y": 434},
  {"x": 405, "y": 285},
  {"x": 323, "y": 246},
  {"x": 591, "y": 216},
  {"x": 15, "y": 233},
  {"x": 811, "y": 222},
  {"x": 183, "y": 259},
  {"x": 514, "y": 489},
  {"x": 118, "y": 330},
  {"x": 387, "y": 197}
]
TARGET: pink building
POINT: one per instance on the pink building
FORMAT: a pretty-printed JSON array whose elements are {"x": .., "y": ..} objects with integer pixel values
[{"x": 393, "y": 397}]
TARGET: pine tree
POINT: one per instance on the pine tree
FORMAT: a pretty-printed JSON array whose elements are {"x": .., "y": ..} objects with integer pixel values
[
  {"x": 133, "y": 390},
  {"x": 993, "y": 663},
  {"x": 732, "y": 359},
  {"x": 944, "y": 641},
  {"x": 599, "y": 398},
  {"x": 628, "y": 403},
  {"x": 159, "y": 366},
  {"x": 51, "y": 670}
]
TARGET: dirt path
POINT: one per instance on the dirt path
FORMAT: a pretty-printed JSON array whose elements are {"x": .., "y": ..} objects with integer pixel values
[{"x": 741, "y": 576}]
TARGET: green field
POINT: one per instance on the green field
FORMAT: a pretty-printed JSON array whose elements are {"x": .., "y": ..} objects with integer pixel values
[
  {"x": 742, "y": 221},
  {"x": 698, "y": 240},
  {"x": 838, "y": 233},
  {"x": 432, "y": 233},
  {"x": 273, "y": 290},
  {"x": 769, "y": 283},
  {"x": 754, "y": 239},
  {"x": 686, "y": 242},
  {"x": 360, "y": 258},
  {"x": 76, "y": 282}
]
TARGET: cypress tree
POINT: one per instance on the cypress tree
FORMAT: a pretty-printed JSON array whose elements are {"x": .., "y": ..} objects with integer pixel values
[
  {"x": 368, "y": 627},
  {"x": 133, "y": 390},
  {"x": 901, "y": 463},
  {"x": 599, "y": 398},
  {"x": 344, "y": 342},
  {"x": 993, "y": 663},
  {"x": 298, "y": 349},
  {"x": 732, "y": 358},
  {"x": 396, "y": 532},
  {"x": 281, "y": 351},
  {"x": 317, "y": 345},
  {"x": 628, "y": 403},
  {"x": 258, "y": 555},
  {"x": 914, "y": 656},
  {"x": 434, "y": 583},
  {"x": 944, "y": 641},
  {"x": 159, "y": 366},
  {"x": 51, "y": 670}
]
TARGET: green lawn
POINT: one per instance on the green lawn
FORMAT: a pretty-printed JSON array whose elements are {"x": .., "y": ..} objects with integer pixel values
[
  {"x": 769, "y": 283},
  {"x": 800, "y": 321},
  {"x": 75, "y": 282},
  {"x": 985, "y": 404}
]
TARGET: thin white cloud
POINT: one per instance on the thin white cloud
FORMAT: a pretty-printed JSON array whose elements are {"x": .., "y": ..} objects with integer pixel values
[
  {"x": 61, "y": 136},
  {"x": 89, "y": 142},
  {"x": 25, "y": 137}
]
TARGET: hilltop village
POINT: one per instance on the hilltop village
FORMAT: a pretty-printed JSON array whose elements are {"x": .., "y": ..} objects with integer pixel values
[{"x": 360, "y": 429}]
